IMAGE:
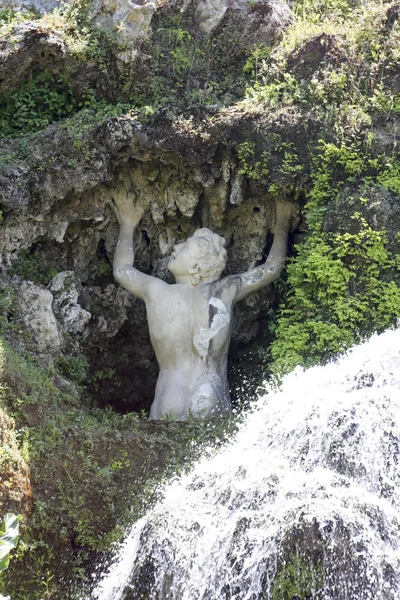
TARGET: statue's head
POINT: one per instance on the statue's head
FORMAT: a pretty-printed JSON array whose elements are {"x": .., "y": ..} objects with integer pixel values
[{"x": 202, "y": 258}]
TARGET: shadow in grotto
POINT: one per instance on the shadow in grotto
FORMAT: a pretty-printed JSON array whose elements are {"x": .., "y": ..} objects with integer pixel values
[{"x": 124, "y": 373}]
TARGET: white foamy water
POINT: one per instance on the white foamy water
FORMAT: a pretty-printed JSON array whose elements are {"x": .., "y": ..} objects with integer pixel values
[{"x": 312, "y": 478}]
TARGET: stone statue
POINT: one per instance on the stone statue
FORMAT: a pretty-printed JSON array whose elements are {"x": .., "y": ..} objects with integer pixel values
[{"x": 190, "y": 322}]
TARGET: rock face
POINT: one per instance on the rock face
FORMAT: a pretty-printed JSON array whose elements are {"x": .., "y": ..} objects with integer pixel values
[
  {"x": 255, "y": 22},
  {"x": 64, "y": 288},
  {"x": 132, "y": 19},
  {"x": 29, "y": 49},
  {"x": 37, "y": 318},
  {"x": 56, "y": 189}
]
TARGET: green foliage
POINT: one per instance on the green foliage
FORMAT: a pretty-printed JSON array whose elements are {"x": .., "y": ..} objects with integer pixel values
[
  {"x": 390, "y": 176},
  {"x": 104, "y": 269},
  {"x": 25, "y": 384},
  {"x": 255, "y": 163},
  {"x": 31, "y": 266},
  {"x": 45, "y": 97},
  {"x": 248, "y": 165},
  {"x": 94, "y": 471},
  {"x": 105, "y": 374},
  {"x": 5, "y": 302},
  {"x": 9, "y": 16},
  {"x": 86, "y": 38},
  {"x": 98, "y": 471},
  {"x": 339, "y": 293},
  {"x": 188, "y": 72},
  {"x": 348, "y": 87},
  {"x": 9, "y": 532},
  {"x": 315, "y": 10},
  {"x": 78, "y": 126},
  {"x": 40, "y": 100},
  {"x": 298, "y": 580},
  {"x": 340, "y": 286},
  {"x": 256, "y": 61},
  {"x": 74, "y": 367},
  {"x": 177, "y": 59}
]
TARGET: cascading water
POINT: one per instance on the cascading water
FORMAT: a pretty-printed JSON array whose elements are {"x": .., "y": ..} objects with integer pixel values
[{"x": 304, "y": 503}]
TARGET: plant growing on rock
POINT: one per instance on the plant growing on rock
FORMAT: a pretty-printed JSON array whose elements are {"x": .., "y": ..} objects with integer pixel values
[
  {"x": 341, "y": 285},
  {"x": 9, "y": 533}
]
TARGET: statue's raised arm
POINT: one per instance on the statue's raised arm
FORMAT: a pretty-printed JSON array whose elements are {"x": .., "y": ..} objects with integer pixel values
[
  {"x": 129, "y": 214},
  {"x": 259, "y": 277}
]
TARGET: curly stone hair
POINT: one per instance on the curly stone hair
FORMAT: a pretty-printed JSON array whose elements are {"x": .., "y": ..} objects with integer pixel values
[{"x": 211, "y": 259}]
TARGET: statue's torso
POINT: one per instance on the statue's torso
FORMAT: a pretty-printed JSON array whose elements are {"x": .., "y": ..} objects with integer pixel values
[{"x": 190, "y": 329}]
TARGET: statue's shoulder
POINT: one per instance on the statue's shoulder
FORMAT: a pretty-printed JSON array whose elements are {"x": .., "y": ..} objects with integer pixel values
[{"x": 228, "y": 284}]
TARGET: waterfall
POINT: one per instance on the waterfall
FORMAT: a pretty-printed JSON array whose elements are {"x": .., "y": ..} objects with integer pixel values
[{"x": 304, "y": 503}]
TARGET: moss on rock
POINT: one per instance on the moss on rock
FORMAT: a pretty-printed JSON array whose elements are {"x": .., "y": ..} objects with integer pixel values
[{"x": 297, "y": 579}]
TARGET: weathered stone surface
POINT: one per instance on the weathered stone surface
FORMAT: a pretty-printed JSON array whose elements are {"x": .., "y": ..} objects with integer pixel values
[
  {"x": 315, "y": 54},
  {"x": 36, "y": 316},
  {"x": 132, "y": 20},
  {"x": 54, "y": 170},
  {"x": 254, "y": 22},
  {"x": 386, "y": 131},
  {"x": 42, "y": 6},
  {"x": 32, "y": 48},
  {"x": 28, "y": 47},
  {"x": 68, "y": 311}
]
